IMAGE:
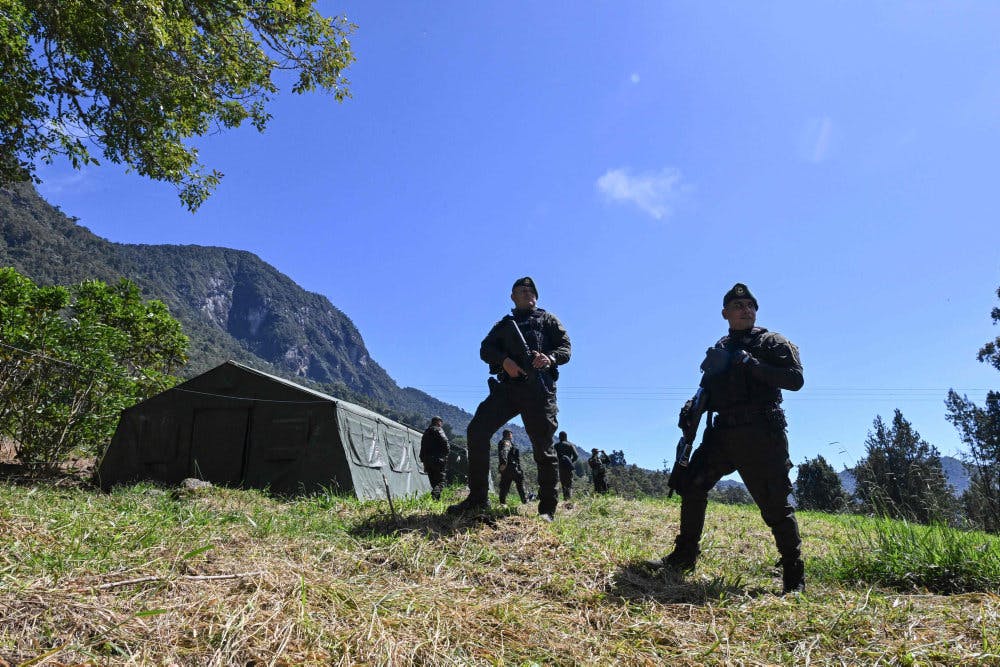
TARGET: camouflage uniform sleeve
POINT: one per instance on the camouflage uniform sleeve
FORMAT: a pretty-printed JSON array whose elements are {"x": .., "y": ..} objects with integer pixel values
[
  {"x": 780, "y": 366},
  {"x": 555, "y": 334}
]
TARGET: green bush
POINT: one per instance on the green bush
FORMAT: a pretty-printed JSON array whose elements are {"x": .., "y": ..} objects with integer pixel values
[{"x": 72, "y": 358}]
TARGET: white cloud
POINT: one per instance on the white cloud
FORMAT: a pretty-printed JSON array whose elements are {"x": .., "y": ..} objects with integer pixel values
[
  {"x": 634, "y": 78},
  {"x": 62, "y": 179},
  {"x": 655, "y": 193}
]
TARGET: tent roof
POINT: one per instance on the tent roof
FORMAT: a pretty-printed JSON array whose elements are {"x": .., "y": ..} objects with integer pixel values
[{"x": 341, "y": 403}]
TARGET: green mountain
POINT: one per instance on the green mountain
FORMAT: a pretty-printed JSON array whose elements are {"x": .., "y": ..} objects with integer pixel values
[{"x": 232, "y": 304}]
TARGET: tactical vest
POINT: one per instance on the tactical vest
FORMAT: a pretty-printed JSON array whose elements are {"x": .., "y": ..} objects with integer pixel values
[{"x": 736, "y": 388}]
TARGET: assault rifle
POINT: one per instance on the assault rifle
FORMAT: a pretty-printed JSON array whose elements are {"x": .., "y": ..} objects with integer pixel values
[
  {"x": 717, "y": 361},
  {"x": 690, "y": 417},
  {"x": 529, "y": 357}
]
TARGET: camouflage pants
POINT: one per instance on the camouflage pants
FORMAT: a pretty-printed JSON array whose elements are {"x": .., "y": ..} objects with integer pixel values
[
  {"x": 538, "y": 409},
  {"x": 759, "y": 453}
]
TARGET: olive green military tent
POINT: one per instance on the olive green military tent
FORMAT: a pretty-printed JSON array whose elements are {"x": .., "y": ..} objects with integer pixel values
[{"x": 237, "y": 426}]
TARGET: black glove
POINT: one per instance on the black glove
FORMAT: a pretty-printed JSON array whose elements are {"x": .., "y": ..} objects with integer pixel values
[
  {"x": 742, "y": 357},
  {"x": 685, "y": 416},
  {"x": 717, "y": 360}
]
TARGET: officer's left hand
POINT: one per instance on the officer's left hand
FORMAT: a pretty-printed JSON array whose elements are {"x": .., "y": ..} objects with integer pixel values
[
  {"x": 744, "y": 357},
  {"x": 541, "y": 360}
]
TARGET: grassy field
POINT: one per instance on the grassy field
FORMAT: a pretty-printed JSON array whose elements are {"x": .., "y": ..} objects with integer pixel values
[{"x": 225, "y": 577}]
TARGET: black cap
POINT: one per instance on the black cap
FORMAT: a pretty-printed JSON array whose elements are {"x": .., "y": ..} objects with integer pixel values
[
  {"x": 562, "y": 435},
  {"x": 526, "y": 282},
  {"x": 436, "y": 419},
  {"x": 739, "y": 291}
]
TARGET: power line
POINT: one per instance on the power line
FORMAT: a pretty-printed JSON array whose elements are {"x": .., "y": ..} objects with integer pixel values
[{"x": 59, "y": 361}]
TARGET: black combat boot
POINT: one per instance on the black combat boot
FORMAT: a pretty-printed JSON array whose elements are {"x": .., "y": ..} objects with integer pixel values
[
  {"x": 547, "y": 510},
  {"x": 793, "y": 576},
  {"x": 681, "y": 559},
  {"x": 471, "y": 505}
]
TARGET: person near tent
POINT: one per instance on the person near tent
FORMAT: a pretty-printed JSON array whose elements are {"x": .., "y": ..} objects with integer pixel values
[
  {"x": 434, "y": 455},
  {"x": 598, "y": 463},
  {"x": 509, "y": 459},
  {"x": 747, "y": 434},
  {"x": 523, "y": 350},
  {"x": 566, "y": 451}
]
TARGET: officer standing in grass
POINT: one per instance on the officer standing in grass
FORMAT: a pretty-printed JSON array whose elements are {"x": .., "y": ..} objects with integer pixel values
[
  {"x": 523, "y": 350},
  {"x": 566, "y": 451},
  {"x": 599, "y": 469},
  {"x": 434, "y": 455},
  {"x": 509, "y": 458},
  {"x": 747, "y": 435}
]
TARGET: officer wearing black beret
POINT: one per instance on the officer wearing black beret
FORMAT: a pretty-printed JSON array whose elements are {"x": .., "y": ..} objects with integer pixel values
[
  {"x": 747, "y": 434},
  {"x": 523, "y": 350},
  {"x": 434, "y": 449},
  {"x": 566, "y": 452}
]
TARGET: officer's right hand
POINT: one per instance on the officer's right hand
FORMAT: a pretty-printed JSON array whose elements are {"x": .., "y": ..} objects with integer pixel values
[
  {"x": 512, "y": 368},
  {"x": 685, "y": 415}
]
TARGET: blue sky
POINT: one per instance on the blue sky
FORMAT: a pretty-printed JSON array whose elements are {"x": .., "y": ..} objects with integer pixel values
[{"x": 636, "y": 159}]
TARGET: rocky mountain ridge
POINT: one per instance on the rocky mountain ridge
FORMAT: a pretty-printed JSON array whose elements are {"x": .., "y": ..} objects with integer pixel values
[{"x": 232, "y": 304}]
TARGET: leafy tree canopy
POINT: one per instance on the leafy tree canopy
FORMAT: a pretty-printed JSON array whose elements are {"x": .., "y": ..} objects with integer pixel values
[
  {"x": 72, "y": 358},
  {"x": 980, "y": 430},
  {"x": 901, "y": 475},
  {"x": 135, "y": 79},
  {"x": 990, "y": 353},
  {"x": 818, "y": 487},
  {"x": 616, "y": 458}
]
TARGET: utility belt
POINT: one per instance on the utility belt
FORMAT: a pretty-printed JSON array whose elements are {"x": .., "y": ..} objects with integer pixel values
[
  {"x": 534, "y": 378},
  {"x": 769, "y": 414}
]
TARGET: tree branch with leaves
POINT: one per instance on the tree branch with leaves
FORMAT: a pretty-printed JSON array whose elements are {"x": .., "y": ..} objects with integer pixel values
[{"x": 134, "y": 81}]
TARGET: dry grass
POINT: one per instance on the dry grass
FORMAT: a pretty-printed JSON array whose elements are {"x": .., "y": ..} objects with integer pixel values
[{"x": 333, "y": 581}]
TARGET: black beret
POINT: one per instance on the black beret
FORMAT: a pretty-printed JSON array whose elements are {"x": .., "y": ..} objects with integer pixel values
[
  {"x": 739, "y": 291},
  {"x": 526, "y": 282}
]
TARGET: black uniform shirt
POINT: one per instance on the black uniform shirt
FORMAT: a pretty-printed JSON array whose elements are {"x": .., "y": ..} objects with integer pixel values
[
  {"x": 542, "y": 331},
  {"x": 566, "y": 451},
  {"x": 434, "y": 444},
  {"x": 509, "y": 455},
  {"x": 754, "y": 385}
]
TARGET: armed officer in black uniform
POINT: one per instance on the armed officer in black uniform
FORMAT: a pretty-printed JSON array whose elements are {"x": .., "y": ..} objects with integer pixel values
[
  {"x": 434, "y": 449},
  {"x": 598, "y": 463},
  {"x": 568, "y": 456},
  {"x": 509, "y": 463},
  {"x": 523, "y": 350},
  {"x": 747, "y": 434}
]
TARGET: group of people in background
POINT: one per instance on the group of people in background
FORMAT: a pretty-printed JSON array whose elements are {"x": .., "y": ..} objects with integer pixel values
[
  {"x": 743, "y": 375},
  {"x": 435, "y": 449}
]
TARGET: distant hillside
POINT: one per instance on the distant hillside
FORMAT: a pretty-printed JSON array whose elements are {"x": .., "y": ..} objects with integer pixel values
[
  {"x": 233, "y": 305},
  {"x": 954, "y": 471}
]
